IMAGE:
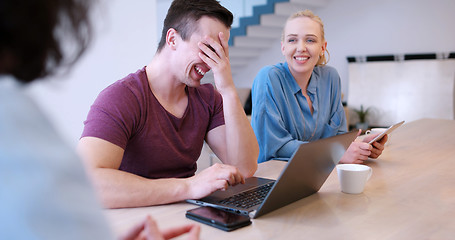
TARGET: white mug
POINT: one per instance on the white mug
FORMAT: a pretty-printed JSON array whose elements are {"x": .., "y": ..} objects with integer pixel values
[
  {"x": 353, "y": 177},
  {"x": 378, "y": 131}
]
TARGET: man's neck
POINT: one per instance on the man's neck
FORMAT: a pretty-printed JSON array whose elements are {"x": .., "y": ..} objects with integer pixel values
[
  {"x": 162, "y": 79},
  {"x": 165, "y": 86}
]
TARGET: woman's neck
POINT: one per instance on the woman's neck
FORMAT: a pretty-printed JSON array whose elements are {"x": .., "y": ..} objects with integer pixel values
[{"x": 302, "y": 79}]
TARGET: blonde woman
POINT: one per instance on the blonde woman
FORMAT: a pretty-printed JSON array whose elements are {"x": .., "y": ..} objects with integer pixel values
[{"x": 299, "y": 101}]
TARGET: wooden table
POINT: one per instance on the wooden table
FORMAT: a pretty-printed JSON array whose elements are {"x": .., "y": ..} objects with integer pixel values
[{"x": 411, "y": 195}]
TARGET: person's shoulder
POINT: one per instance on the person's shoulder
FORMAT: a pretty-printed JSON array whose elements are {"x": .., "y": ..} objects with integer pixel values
[
  {"x": 13, "y": 97},
  {"x": 205, "y": 94},
  {"x": 326, "y": 69},
  {"x": 271, "y": 73},
  {"x": 205, "y": 91},
  {"x": 137, "y": 80},
  {"x": 206, "y": 87},
  {"x": 133, "y": 83},
  {"x": 327, "y": 72},
  {"x": 273, "y": 69}
]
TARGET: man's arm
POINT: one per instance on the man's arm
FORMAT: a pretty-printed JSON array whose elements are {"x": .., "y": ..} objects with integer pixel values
[
  {"x": 234, "y": 143},
  {"x": 118, "y": 189}
]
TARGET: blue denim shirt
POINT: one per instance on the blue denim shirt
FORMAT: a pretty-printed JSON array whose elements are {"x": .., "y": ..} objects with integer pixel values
[{"x": 281, "y": 117}]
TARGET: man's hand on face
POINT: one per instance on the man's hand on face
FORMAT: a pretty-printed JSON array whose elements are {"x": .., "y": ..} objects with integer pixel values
[{"x": 216, "y": 55}]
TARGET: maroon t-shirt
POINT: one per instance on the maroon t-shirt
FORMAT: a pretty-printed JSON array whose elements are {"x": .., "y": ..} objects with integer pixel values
[{"x": 157, "y": 144}]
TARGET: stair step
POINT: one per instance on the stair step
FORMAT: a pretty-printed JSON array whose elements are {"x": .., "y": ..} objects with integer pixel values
[
  {"x": 264, "y": 31},
  {"x": 244, "y": 52},
  {"x": 273, "y": 20},
  {"x": 241, "y": 63},
  {"x": 252, "y": 42},
  {"x": 238, "y": 63},
  {"x": 286, "y": 9},
  {"x": 312, "y": 3},
  {"x": 241, "y": 59}
]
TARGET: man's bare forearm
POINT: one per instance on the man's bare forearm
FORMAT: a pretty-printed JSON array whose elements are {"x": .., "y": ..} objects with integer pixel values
[
  {"x": 118, "y": 189},
  {"x": 242, "y": 146}
]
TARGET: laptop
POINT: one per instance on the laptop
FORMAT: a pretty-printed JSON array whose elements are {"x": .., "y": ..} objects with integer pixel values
[{"x": 308, "y": 168}]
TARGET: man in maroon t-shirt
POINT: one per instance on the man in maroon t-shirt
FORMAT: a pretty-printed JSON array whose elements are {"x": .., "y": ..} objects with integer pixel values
[{"x": 144, "y": 133}]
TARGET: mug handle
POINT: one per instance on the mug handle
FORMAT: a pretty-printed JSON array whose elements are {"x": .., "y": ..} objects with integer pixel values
[{"x": 370, "y": 173}]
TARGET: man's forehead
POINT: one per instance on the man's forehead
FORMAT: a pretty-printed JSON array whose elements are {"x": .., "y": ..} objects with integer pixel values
[{"x": 211, "y": 26}]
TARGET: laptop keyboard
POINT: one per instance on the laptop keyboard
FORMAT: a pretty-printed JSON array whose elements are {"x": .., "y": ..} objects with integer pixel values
[{"x": 248, "y": 198}]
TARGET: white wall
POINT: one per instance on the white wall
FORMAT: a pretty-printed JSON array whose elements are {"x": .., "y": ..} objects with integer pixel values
[
  {"x": 358, "y": 27},
  {"x": 124, "y": 41},
  {"x": 402, "y": 90}
]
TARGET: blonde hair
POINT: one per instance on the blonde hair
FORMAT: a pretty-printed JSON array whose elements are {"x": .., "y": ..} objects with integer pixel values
[{"x": 323, "y": 60}]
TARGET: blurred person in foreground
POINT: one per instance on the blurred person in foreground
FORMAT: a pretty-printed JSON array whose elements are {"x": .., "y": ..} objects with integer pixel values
[{"x": 44, "y": 191}]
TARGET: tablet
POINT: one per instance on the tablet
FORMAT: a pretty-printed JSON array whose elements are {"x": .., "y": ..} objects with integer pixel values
[{"x": 388, "y": 131}]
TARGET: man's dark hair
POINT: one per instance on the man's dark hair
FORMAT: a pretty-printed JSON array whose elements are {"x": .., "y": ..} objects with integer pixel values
[
  {"x": 183, "y": 15},
  {"x": 31, "y": 33}
]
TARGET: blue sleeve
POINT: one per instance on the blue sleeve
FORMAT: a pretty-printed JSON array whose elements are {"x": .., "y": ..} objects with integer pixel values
[
  {"x": 268, "y": 100},
  {"x": 332, "y": 120},
  {"x": 337, "y": 103}
]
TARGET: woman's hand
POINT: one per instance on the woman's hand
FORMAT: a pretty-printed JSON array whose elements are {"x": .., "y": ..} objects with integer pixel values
[
  {"x": 378, "y": 146},
  {"x": 361, "y": 150}
]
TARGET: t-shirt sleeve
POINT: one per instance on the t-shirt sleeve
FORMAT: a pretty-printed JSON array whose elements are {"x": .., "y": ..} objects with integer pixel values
[
  {"x": 113, "y": 115},
  {"x": 217, "y": 114}
]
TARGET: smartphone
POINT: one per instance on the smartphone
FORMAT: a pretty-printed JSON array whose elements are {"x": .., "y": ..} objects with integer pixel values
[
  {"x": 218, "y": 218},
  {"x": 389, "y": 130}
]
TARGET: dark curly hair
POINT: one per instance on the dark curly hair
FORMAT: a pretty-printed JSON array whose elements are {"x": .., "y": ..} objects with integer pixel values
[
  {"x": 31, "y": 32},
  {"x": 183, "y": 15}
]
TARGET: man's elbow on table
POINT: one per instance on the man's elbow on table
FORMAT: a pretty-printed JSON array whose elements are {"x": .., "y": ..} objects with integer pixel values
[{"x": 249, "y": 168}]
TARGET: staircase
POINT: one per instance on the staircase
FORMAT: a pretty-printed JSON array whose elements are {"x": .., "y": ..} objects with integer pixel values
[{"x": 261, "y": 30}]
